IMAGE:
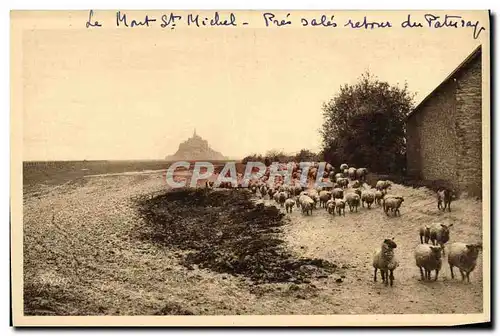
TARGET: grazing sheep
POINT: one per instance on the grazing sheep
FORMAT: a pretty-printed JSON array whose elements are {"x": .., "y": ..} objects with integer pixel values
[
  {"x": 368, "y": 197},
  {"x": 324, "y": 196},
  {"x": 340, "y": 206},
  {"x": 428, "y": 258},
  {"x": 385, "y": 261},
  {"x": 392, "y": 203},
  {"x": 351, "y": 173},
  {"x": 361, "y": 174},
  {"x": 439, "y": 234},
  {"x": 383, "y": 185},
  {"x": 330, "y": 206},
  {"x": 356, "y": 184},
  {"x": 338, "y": 193},
  {"x": 343, "y": 182},
  {"x": 353, "y": 200},
  {"x": 444, "y": 196},
  {"x": 379, "y": 195},
  {"x": 464, "y": 256},
  {"x": 289, "y": 204}
]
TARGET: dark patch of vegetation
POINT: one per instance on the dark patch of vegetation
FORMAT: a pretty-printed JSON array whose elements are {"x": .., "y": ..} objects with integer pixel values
[
  {"x": 174, "y": 308},
  {"x": 226, "y": 232}
]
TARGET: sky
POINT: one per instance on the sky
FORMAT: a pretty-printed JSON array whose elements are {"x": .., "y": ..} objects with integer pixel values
[{"x": 138, "y": 93}]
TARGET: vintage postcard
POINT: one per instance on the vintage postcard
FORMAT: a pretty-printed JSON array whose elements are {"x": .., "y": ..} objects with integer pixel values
[{"x": 250, "y": 168}]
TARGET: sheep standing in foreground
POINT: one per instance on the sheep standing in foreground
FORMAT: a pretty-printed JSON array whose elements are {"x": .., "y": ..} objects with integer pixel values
[
  {"x": 352, "y": 199},
  {"x": 289, "y": 204},
  {"x": 444, "y": 196},
  {"x": 464, "y": 256},
  {"x": 392, "y": 203},
  {"x": 340, "y": 206},
  {"x": 385, "y": 261},
  {"x": 368, "y": 197},
  {"x": 428, "y": 258}
]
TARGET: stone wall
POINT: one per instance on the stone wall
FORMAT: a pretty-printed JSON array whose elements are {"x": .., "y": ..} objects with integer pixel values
[
  {"x": 444, "y": 134},
  {"x": 468, "y": 129}
]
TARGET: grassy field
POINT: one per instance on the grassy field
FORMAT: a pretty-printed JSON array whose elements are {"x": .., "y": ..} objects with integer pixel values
[{"x": 123, "y": 245}]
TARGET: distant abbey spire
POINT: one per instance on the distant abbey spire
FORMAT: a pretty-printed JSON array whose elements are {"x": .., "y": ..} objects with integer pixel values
[{"x": 194, "y": 133}]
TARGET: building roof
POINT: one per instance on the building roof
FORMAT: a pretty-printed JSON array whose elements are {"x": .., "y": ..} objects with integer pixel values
[{"x": 473, "y": 55}]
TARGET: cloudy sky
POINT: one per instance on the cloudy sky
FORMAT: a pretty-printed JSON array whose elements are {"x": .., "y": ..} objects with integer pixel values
[{"x": 108, "y": 93}]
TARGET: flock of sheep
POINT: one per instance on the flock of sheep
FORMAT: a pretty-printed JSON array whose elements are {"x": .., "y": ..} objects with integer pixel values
[{"x": 349, "y": 189}]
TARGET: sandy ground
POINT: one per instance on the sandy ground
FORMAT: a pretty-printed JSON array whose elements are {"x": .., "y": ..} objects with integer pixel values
[{"x": 83, "y": 257}]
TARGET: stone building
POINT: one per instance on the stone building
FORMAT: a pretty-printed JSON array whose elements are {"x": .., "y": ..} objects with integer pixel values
[{"x": 444, "y": 132}]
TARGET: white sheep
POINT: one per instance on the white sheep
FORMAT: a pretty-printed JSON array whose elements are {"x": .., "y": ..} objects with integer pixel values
[
  {"x": 353, "y": 200},
  {"x": 361, "y": 174},
  {"x": 464, "y": 256},
  {"x": 330, "y": 206},
  {"x": 343, "y": 167},
  {"x": 392, "y": 203},
  {"x": 368, "y": 197},
  {"x": 385, "y": 261},
  {"x": 306, "y": 204},
  {"x": 289, "y": 204},
  {"x": 383, "y": 185},
  {"x": 428, "y": 258},
  {"x": 340, "y": 206},
  {"x": 343, "y": 182},
  {"x": 379, "y": 195},
  {"x": 351, "y": 172}
]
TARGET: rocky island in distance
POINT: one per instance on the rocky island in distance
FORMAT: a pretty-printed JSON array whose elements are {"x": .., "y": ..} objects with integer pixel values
[{"x": 195, "y": 148}]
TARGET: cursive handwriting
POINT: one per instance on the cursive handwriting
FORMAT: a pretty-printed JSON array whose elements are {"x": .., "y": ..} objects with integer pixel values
[
  {"x": 367, "y": 25},
  {"x": 215, "y": 21},
  {"x": 454, "y": 21},
  {"x": 323, "y": 21},
  {"x": 122, "y": 18},
  {"x": 89, "y": 21},
  {"x": 269, "y": 19}
]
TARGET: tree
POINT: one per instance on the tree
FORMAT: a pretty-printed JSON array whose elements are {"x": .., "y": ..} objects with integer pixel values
[
  {"x": 306, "y": 155},
  {"x": 364, "y": 125}
]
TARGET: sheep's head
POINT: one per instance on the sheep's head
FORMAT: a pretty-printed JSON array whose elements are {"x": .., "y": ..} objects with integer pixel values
[
  {"x": 445, "y": 231},
  {"x": 436, "y": 251},
  {"x": 358, "y": 192},
  {"x": 390, "y": 243},
  {"x": 473, "y": 250}
]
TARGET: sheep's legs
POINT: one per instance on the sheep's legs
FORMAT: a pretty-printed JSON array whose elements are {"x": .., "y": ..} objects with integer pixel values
[
  {"x": 436, "y": 277},
  {"x": 391, "y": 277},
  {"x": 451, "y": 271},
  {"x": 468, "y": 279},
  {"x": 422, "y": 273},
  {"x": 375, "y": 275},
  {"x": 463, "y": 275}
]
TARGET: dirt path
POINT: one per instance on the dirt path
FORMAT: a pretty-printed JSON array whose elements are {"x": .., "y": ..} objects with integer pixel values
[{"x": 351, "y": 240}]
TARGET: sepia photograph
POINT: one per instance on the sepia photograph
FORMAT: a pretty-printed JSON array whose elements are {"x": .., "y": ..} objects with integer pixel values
[{"x": 250, "y": 168}]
